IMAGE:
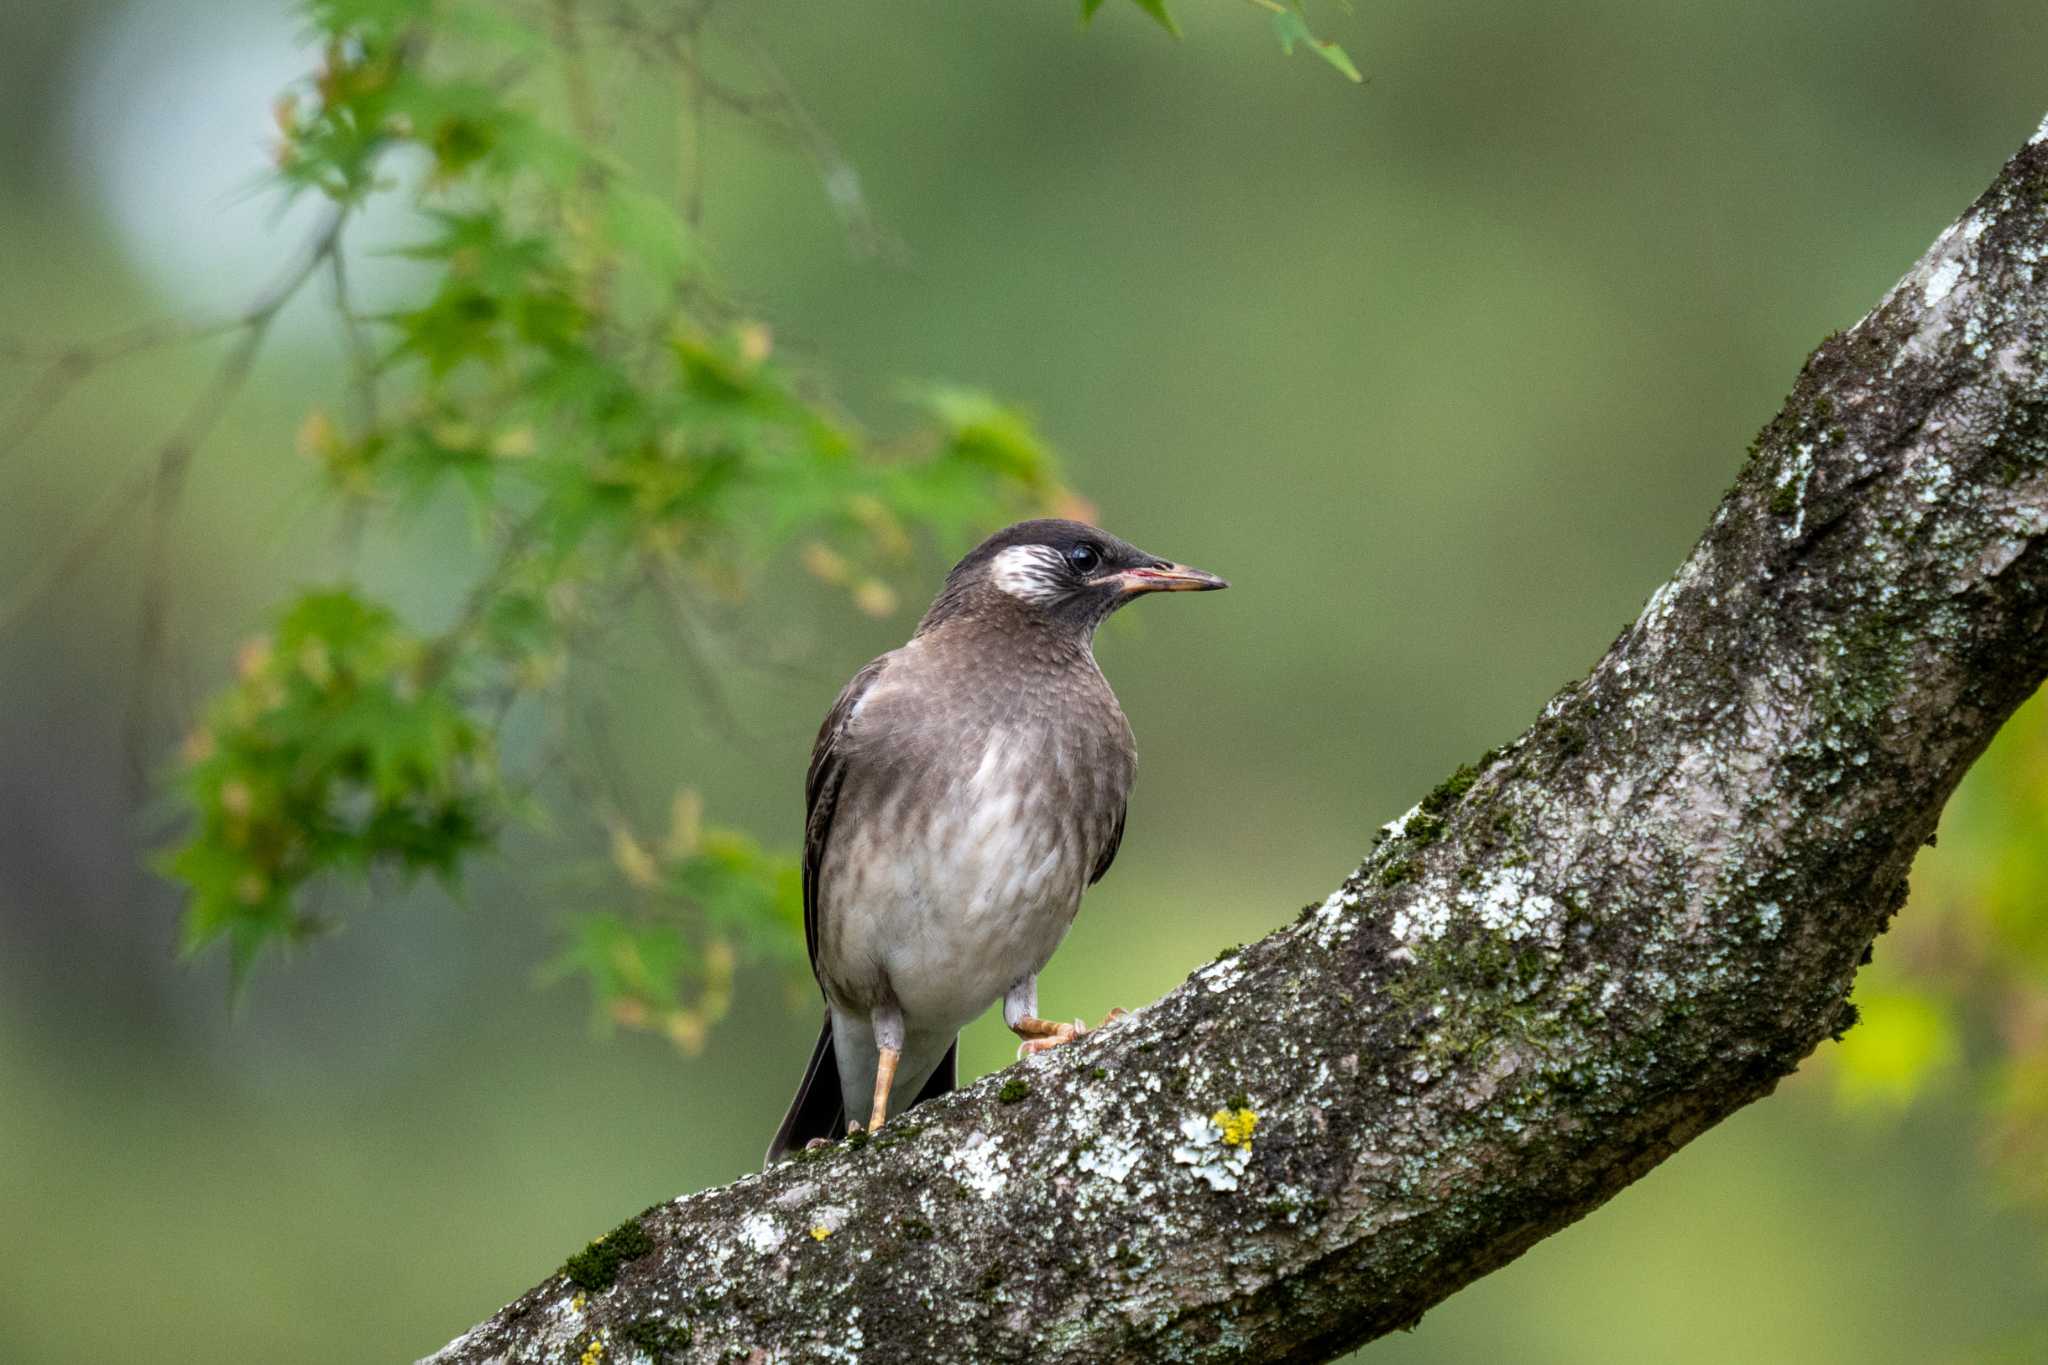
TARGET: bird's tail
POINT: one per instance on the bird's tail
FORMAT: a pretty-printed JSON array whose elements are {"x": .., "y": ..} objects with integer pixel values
[{"x": 819, "y": 1110}]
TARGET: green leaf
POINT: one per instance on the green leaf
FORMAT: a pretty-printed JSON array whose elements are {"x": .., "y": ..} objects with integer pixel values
[
  {"x": 643, "y": 224},
  {"x": 1157, "y": 9},
  {"x": 1291, "y": 28},
  {"x": 983, "y": 431}
]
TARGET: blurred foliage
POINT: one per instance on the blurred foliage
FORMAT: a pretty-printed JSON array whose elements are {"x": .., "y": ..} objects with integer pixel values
[
  {"x": 1958, "y": 991},
  {"x": 617, "y": 428}
]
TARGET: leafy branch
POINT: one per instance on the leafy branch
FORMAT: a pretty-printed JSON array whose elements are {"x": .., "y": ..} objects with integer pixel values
[{"x": 620, "y": 433}]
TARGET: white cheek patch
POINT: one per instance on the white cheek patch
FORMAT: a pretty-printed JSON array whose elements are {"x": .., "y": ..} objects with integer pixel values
[{"x": 1033, "y": 573}]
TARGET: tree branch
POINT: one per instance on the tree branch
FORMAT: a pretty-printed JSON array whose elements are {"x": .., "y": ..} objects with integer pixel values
[{"x": 1564, "y": 964}]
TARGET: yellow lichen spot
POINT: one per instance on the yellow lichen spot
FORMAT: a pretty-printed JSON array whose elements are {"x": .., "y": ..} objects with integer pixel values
[
  {"x": 1237, "y": 1126},
  {"x": 578, "y": 1302},
  {"x": 821, "y": 1232},
  {"x": 592, "y": 1353}
]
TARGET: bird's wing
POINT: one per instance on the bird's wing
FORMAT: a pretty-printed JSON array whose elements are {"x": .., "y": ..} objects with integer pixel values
[
  {"x": 821, "y": 791},
  {"x": 1116, "y": 838}
]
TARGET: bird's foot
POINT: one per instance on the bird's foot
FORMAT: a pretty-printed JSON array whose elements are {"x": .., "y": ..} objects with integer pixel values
[
  {"x": 1040, "y": 1034},
  {"x": 815, "y": 1143},
  {"x": 1060, "y": 1033}
]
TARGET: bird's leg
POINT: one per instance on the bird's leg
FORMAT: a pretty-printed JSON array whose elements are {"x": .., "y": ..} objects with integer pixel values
[
  {"x": 888, "y": 1023},
  {"x": 1020, "y": 1013}
]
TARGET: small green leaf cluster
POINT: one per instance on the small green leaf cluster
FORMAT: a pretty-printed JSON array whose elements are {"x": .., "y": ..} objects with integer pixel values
[
  {"x": 711, "y": 899},
  {"x": 338, "y": 747}
]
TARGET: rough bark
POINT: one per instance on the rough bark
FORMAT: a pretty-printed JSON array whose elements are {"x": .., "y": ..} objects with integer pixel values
[{"x": 1576, "y": 955}]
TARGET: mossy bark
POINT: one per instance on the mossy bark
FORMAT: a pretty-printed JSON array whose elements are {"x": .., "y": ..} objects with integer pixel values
[{"x": 1575, "y": 956}]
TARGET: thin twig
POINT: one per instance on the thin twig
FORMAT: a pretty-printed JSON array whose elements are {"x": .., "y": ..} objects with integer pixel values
[
  {"x": 690, "y": 132},
  {"x": 840, "y": 177},
  {"x": 114, "y": 504},
  {"x": 67, "y": 368},
  {"x": 362, "y": 358},
  {"x": 441, "y": 651},
  {"x": 176, "y": 452},
  {"x": 689, "y": 648}
]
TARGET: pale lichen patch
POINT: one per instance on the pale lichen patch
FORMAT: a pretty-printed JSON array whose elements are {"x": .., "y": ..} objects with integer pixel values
[
  {"x": 1113, "y": 1158},
  {"x": 1333, "y": 918},
  {"x": 1221, "y": 975},
  {"x": 1940, "y": 281},
  {"x": 1426, "y": 917},
  {"x": 1507, "y": 903},
  {"x": 1215, "y": 1161},
  {"x": 980, "y": 1164},
  {"x": 761, "y": 1232}
]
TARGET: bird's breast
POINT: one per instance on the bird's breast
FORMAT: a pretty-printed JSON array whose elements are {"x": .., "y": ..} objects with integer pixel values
[{"x": 952, "y": 875}]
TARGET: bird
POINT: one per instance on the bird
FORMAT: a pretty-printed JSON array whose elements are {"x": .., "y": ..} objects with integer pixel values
[{"x": 963, "y": 792}]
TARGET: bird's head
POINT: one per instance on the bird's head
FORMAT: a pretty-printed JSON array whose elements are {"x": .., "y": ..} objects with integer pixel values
[{"x": 1069, "y": 573}]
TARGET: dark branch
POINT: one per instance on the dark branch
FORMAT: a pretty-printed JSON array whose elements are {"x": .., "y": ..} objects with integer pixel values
[{"x": 1568, "y": 961}]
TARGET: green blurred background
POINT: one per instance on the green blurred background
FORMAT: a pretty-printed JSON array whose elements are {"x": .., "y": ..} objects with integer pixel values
[{"x": 1445, "y": 372}]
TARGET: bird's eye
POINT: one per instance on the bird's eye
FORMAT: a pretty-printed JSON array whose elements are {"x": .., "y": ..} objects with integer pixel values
[{"x": 1084, "y": 558}]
